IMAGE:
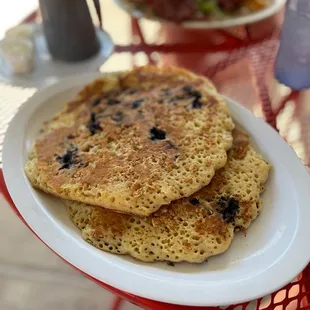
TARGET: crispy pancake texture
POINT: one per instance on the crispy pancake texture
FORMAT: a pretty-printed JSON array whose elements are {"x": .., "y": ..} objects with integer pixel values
[
  {"x": 134, "y": 141},
  {"x": 190, "y": 229}
]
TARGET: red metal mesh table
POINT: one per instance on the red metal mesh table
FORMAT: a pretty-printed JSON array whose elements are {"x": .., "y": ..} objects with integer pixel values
[{"x": 248, "y": 65}]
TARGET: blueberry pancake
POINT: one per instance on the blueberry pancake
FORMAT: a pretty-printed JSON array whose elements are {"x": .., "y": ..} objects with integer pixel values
[
  {"x": 190, "y": 229},
  {"x": 134, "y": 142}
]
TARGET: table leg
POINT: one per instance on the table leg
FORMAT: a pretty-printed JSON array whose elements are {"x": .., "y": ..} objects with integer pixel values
[
  {"x": 117, "y": 303},
  {"x": 136, "y": 32}
]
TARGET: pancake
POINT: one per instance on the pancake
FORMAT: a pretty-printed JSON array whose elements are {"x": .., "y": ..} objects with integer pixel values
[
  {"x": 243, "y": 178},
  {"x": 134, "y": 142},
  {"x": 190, "y": 229}
]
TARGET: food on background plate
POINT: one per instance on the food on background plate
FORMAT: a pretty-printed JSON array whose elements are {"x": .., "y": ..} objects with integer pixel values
[
  {"x": 134, "y": 142},
  {"x": 190, "y": 229},
  {"x": 185, "y": 10}
]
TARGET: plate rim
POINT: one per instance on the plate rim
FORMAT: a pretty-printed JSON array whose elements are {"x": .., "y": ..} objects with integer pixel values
[
  {"x": 14, "y": 179},
  {"x": 215, "y": 24}
]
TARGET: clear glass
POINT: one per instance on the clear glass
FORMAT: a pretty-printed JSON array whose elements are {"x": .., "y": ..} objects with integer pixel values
[{"x": 293, "y": 60}]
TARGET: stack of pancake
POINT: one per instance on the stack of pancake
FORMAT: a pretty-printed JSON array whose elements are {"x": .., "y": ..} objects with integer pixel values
[{"x": 150, "y": 164}]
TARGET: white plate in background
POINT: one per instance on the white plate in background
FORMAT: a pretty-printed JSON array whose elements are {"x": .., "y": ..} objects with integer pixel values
[{"x": 273, "y": 8}]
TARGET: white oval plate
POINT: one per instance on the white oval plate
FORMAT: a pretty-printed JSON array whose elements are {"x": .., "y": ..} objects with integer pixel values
[
  {"x": 47, "y": 71},
  {"x": 275, "y": 249},
  {"x": 273, "y": 8}
]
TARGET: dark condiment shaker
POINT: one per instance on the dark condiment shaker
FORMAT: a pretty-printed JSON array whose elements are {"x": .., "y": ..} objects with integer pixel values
[{"x": 69, "y": 30}]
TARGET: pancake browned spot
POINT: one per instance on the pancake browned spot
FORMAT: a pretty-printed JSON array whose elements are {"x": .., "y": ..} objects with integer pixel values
[
  {"x": 127, "y": 137},
  {"x": 190, "y": 229}
]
